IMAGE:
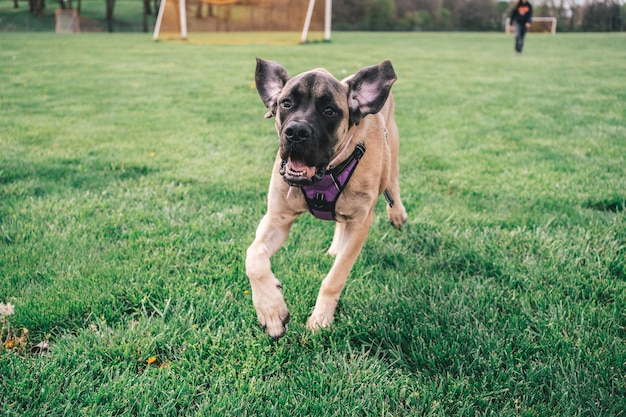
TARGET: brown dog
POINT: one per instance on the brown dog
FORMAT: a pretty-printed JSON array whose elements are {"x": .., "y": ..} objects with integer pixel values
[{"x": 338, "y": 152}]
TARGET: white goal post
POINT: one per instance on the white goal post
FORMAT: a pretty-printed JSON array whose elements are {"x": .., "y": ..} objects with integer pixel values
[
  {"x": 327, "y": 20},
  {"x": 509, "y": 28},
  {"x": 180, "y": 8}
]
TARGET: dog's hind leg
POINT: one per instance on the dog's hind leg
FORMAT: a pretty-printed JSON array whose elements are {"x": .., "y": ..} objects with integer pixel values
[
  {"x": 350, "y": 245},
  {"x": 267, "y": 295}
]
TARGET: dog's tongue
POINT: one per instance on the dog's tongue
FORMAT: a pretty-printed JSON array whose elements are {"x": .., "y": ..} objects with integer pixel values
[{"x": 297, "y": 168}]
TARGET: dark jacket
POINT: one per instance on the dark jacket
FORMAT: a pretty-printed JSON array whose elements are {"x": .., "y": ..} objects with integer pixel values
[{"x": 522, "y": 13}]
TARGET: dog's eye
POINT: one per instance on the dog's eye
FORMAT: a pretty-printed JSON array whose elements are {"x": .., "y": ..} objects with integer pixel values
[
  {"x": 329, "y": 111},
  {"x": 285, "y": 104}
]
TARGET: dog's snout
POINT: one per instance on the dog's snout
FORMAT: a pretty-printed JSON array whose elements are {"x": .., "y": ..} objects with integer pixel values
[{"x": 296, "y": 132}]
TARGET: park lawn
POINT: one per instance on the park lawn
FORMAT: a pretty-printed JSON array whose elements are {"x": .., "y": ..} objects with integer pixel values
[{"x": 133, "y": 174}]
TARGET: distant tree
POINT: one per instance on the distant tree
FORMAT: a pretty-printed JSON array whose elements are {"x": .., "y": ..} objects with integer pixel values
[
  {"x": 110, "y": 7},
  {"x": 36, "y": 6},
  {"x": 147, "y": 10},
  {"x": 381, "y": 15},
  {"x": 351, "y": 14},
  {"x": 479, "y": 15},
  {"x": 590, "y": 15},
  {"x": 602, "y": 16},
  {"x": 445, "y": 19}
]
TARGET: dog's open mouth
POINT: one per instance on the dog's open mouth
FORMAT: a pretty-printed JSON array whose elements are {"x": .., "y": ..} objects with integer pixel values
[{"x": 297, "y": 173}]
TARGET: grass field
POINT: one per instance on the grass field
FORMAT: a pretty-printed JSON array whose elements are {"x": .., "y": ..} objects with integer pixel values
[{"x": 133, "y": 175}]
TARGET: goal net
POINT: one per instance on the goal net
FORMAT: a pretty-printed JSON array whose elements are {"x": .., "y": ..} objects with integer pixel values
[
  {"x": 183, "y": 18},
  {"x": 539, "y": 24}
]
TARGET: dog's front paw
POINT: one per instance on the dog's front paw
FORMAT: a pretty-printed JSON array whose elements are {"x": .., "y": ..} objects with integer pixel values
[
  {"x": 275, "y": 323},
  {"x": 322, "y": 316},
  {"x": 397, "y": 215},
  {"x": 271, "y": 311},
  {"x": 316, "y": 322}
]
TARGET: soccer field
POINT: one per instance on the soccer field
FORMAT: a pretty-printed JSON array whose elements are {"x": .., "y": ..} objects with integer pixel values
[{"x": 133, "y": 175}]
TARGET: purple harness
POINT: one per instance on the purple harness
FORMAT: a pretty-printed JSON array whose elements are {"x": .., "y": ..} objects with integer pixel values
[{"x": 322, "y": 196}]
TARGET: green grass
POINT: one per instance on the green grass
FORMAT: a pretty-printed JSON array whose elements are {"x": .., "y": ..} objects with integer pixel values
[{"x": 133, "y": 175}]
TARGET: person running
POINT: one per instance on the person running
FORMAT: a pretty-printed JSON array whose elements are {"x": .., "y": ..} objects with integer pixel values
[{"x": 521, "y": 17}]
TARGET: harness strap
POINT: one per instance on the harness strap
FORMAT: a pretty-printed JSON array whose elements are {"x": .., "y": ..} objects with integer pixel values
[
  {"x": 322, "y": 196},
  {"x": 388, "y": 197}
]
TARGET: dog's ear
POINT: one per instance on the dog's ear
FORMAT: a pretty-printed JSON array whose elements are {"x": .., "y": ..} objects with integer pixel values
[
  {"x": 369, "y": 89},
  {"x": 270, "y": 78}
]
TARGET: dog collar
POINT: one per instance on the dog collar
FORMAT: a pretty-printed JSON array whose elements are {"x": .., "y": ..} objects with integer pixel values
[{"x": 322, "y": 196}]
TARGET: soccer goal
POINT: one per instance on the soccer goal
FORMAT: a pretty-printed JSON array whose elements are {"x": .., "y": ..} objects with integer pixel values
[
  {"x": 179, "y": 18},
  {"x": 66, "y": 21},
  {"x": 539, "y": 24}
]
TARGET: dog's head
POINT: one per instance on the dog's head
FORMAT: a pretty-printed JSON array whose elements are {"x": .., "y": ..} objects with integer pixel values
[{"x": 314, "y": 111}]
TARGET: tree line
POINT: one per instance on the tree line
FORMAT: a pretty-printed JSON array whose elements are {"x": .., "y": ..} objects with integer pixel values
[
  {"x": 473, "y": 15},
  {"x": 36, "y": 7}
]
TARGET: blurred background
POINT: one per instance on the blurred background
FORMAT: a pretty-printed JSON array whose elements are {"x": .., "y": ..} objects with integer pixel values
[{"x": 288, "y": 15}]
